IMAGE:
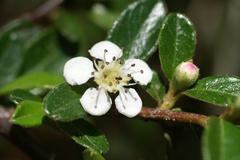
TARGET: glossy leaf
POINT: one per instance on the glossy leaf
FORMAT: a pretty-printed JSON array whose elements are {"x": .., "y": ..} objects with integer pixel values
[
  {"x": 136, "y": 30},
  {"x": 85, "y": 134},
  {"x": 43, "y": 54},
  {"x": 28, "y": 114},
  {"x": 69, "y": 25},
  {"x": 221, "y": 140},
  {"x": 77, "y": 28},
  {"x": 62, "y": 103},
  {"x": 221, "y": 90},
  {"x": 100, "y": 12},
  {"x": 32, "y": 80},
  {"x": 155, "y": 88},
  {"x": 20, "y": 95},
  {"x": 177, "y": 42},
  {"x": 89, "y": 154},
  {"x": 13, "y": 38}
]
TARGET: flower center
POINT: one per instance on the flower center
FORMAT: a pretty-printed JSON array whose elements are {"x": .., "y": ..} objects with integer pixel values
[{"x": 110, "y": 76}]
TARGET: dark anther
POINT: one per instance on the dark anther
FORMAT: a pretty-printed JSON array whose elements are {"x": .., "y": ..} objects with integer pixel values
[
  {"x": 107, "y": 63},
  {"x": 110, "y": 83},
  {"x": 92, "y": 73},
  {"x": 126, "y": 90},
  {"x": 105, "y": 50},
  {"x": 102, "y": 66},
  {"x": 141, "y": 71},
  {"x": 129, "y": 75},
  {"x": 104, "y": 76},
  {"x": 114, "y": 58},
  {"x": 118, "y": 78},
  {"x": 133, "y": 64}
]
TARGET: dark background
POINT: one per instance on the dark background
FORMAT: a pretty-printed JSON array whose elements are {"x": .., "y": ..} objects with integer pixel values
[{"x": 218, "y": 53}]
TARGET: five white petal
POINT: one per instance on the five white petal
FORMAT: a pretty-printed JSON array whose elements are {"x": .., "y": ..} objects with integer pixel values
[
  {"x": 106, "y": 51},
  {"x": 139, "y": 70},
  {"x": 128, "y": 102},
  {"x": 78, "y": 70},
  {"x": 97, "y": 101}
]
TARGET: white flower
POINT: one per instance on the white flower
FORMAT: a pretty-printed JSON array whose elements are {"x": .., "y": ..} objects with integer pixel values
[{"x": 111, "y": 76}]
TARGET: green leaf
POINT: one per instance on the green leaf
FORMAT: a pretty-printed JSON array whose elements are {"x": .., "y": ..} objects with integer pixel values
[
  {"x": 77, "y": 28},
  {"x": 13, "y": 38},
  {"x": 221, "y": 140},
  {"x": 89, "y": 154},
  {"x": 62, "y": 103},
  {"x": 155, "y": 88},
  {"x": 32, "y": 80},
  {"x": 220, "y": 90},
  {"x": 69, "y": 25},
  {"x": 137, "y": 28},
  {"x": 28, "y": 114},
  {"x": 177, "y": 42},
  {"x": 100, "y": 12},
  {"x": 22, "y": 95},
  {"x": 85, "y": 134},
  {"x": 43, "y": 53}
]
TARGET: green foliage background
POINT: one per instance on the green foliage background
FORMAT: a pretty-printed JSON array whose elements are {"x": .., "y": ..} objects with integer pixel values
[{"x": 34, "y": 50}]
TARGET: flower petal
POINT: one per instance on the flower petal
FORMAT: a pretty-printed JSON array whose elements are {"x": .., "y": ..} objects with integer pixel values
[
  {"x": 78, "y": 70},
  {"x": 139, "y": 70},
  {"x": 106, "y": 51},
  {"x": 128, "y": 102},
  {"x": 96, "y": 102}
]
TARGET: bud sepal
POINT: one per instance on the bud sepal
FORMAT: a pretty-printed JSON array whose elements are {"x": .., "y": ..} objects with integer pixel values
[{"x": 185, "y": 75}]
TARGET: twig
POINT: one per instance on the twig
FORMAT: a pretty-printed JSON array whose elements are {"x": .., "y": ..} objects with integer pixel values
[
  {"x": 168, "y": 115},
  {"x": 43, "y": 9},
  {"x": 146, "y": 113},
  {"x": 170, "y": 98}
]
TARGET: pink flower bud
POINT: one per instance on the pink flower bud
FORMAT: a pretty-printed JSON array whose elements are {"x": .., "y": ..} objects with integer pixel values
[{"x": 186, "y": 74}]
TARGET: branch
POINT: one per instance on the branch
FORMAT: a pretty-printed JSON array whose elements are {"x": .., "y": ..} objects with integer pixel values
[
  {"x": 168, "y": 115},
  {"x": 43, "y": 9},
  {"x": 146, "y": 113}
]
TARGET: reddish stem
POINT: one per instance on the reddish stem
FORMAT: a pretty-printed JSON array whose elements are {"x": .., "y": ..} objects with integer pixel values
[{"x": 168, "y": 115}]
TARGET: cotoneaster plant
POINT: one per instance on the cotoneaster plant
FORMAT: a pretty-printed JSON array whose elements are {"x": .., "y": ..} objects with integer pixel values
[
  {"x": 119, "y": 62},
  {"x": 111, "y": 76}
]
